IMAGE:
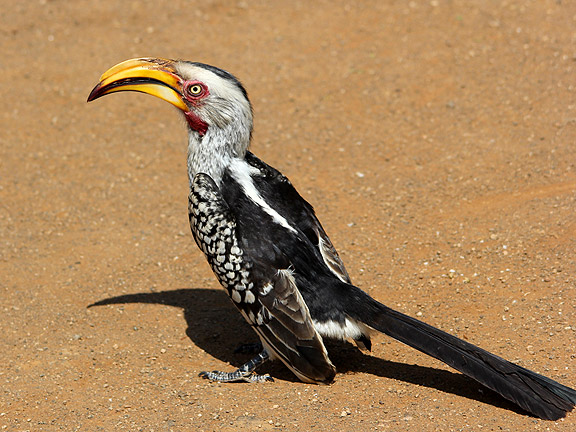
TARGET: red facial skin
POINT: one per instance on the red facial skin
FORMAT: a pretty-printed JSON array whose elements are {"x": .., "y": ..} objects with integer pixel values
[{"x": 194, "y": 97}]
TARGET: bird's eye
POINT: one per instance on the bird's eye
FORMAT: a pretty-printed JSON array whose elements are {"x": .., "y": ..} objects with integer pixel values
[{"x": 195, "y": 89}]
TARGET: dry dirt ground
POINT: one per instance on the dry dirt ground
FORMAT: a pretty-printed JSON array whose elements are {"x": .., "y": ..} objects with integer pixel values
[{"x": 436, "y": 140}]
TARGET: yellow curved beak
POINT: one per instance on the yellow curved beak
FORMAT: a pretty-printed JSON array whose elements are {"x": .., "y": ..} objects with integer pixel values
[{"x": 157, "y": 77}]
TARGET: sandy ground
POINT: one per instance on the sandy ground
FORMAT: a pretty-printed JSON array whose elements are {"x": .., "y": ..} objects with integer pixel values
[{"x": 436, "y": 140}]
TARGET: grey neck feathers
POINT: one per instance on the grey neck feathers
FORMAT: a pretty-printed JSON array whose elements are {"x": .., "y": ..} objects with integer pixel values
[
  {"x": 215, "y": 151},
  {"x": 228, "y": 135}
]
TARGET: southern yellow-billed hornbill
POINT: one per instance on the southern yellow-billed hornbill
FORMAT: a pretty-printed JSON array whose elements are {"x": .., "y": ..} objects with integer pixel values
[{"x": 270, "y": 252}]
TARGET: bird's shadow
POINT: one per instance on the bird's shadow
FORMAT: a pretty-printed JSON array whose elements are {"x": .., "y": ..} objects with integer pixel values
[{"x": 215, "y": 326}]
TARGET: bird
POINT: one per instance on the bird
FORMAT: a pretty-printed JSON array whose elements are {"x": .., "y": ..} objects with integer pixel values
[{"x": 269, "y": 251}]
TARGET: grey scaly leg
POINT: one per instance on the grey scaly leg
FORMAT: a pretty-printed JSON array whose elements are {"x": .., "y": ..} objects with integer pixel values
[{"x": 243, "y": 373}]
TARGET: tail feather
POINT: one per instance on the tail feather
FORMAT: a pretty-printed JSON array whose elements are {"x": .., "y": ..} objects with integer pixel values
[{"x": 535, "y": 393}]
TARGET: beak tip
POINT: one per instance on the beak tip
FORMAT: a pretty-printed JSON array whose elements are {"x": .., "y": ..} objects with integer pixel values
[{"x": 94, "y": 94}]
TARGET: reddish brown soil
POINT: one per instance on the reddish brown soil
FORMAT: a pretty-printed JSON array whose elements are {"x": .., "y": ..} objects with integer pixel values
[{"x": 436, "y": 140}]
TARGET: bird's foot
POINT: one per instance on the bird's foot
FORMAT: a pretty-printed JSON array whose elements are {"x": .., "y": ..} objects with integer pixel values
[
  {"x": 235, "y": 376},
  {"x": 243, "y": 373}
]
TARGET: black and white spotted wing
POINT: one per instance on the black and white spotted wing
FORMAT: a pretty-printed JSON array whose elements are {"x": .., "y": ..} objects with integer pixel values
[{"x": 268, "y": 298}]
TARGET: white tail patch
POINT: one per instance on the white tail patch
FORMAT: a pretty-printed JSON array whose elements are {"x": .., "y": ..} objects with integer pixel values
[{"x": 349, "y": 329}]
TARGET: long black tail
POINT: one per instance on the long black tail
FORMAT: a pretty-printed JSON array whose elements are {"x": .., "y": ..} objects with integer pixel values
[{"x": 535, "y": 393}]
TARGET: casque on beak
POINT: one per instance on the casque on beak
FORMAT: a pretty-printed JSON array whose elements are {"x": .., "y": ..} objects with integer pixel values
[{"x": 154, "y": 76}]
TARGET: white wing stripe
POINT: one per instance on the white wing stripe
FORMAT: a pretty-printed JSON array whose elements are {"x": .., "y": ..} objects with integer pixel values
[{"x": 241, "y": 172}]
